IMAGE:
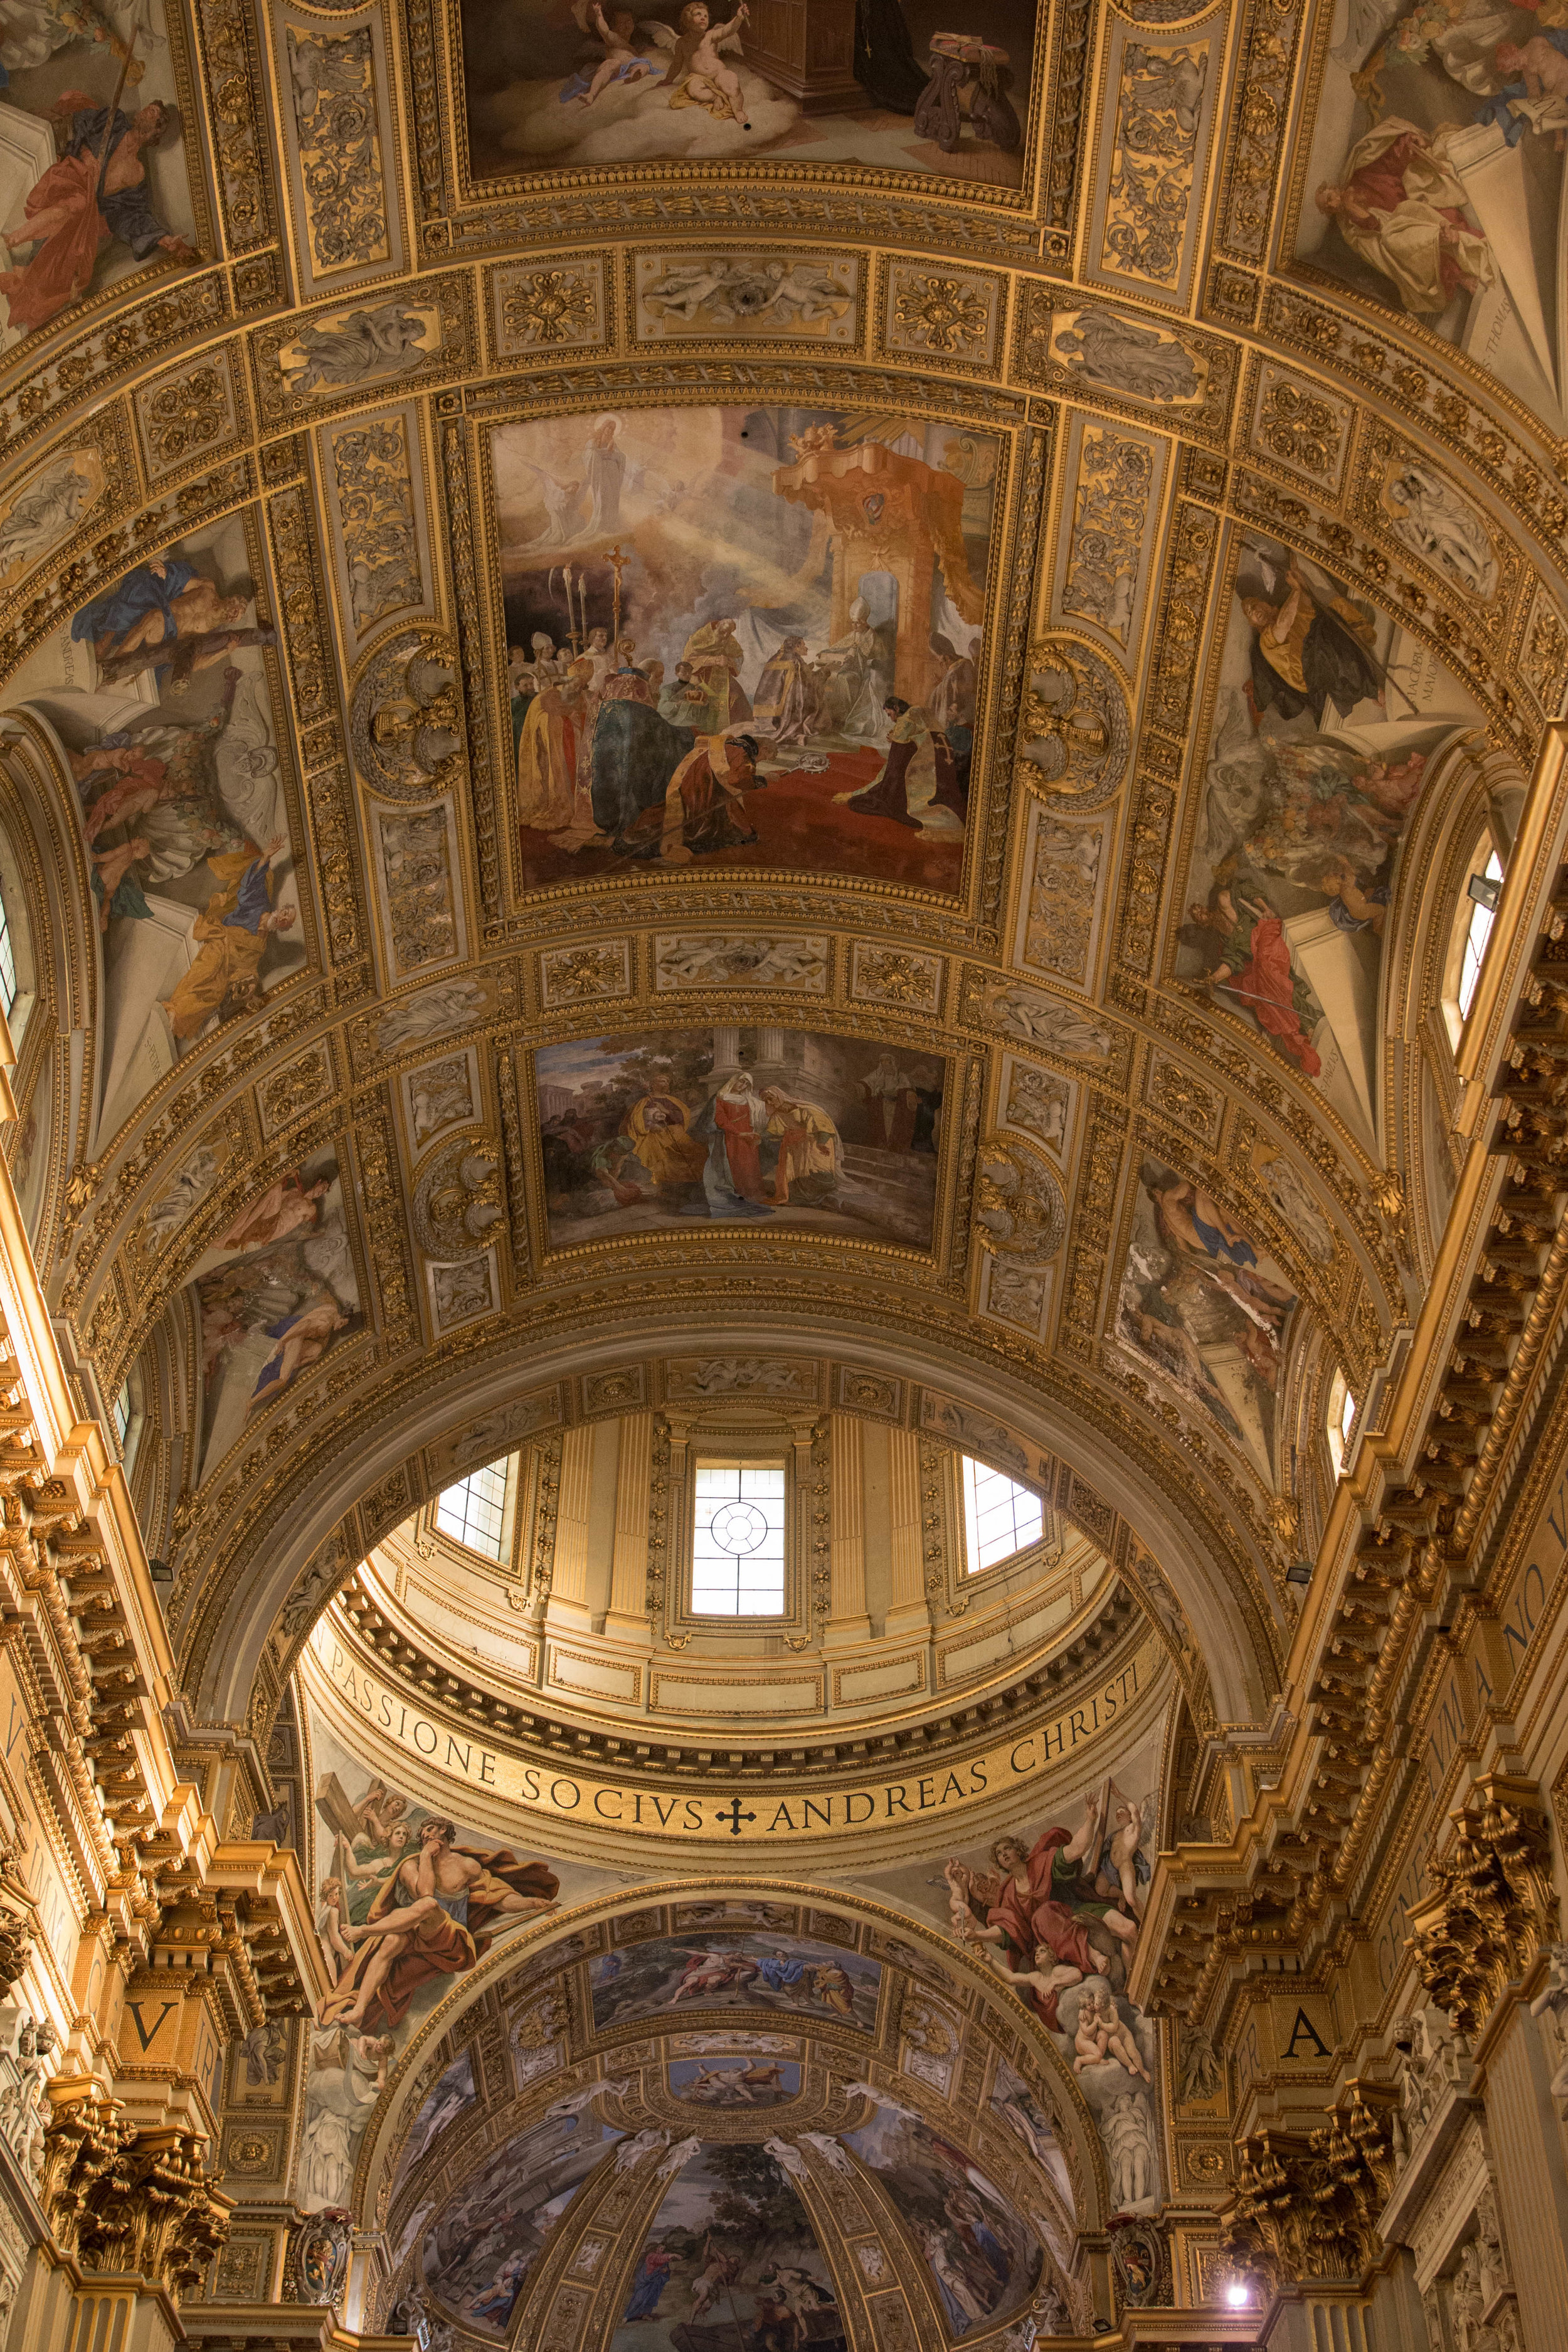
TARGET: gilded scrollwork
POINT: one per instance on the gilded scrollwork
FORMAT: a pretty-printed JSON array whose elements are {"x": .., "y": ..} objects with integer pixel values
[
  {"x": 1301, "y": 425},
  {"x": 1065, "y": 885},
  {"x": 1116, "y": 475},
  {"x": 186, "y": 413},
  {"x": 233, "y": 71},
  {"x": 1257, "y": 129},
  {"x": 333, "y": 95},
  {"x": 942, "y": 314},
  {"x": 372, "y": 484},
  {"x": 549, "y": 306},
  {"x": 1162, "y": 108},
  {"x": 1049, "y": 972}
]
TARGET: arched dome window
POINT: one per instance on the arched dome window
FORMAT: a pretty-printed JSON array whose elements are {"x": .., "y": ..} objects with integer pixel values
[
  {"x": 999, "y": 1516},
  {"x": 476, "y": 1511},
  {"x": 738, "y": 1531},
  {"x": 1473, "y": 919},
  {"x": 1340, "y": 1421}
]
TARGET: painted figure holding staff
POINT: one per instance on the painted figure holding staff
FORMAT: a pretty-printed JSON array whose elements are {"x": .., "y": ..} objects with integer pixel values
[{"x": 96, "y": 191}]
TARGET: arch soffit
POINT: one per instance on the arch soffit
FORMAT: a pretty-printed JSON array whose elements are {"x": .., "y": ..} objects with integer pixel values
[
  {"x": 240, "y": 1638},
  {"x": 1313, "y": 328},
  {"x": 527, "y": 1955}
]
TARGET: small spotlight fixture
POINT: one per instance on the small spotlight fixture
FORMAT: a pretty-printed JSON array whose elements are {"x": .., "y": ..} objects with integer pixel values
[
  {"x": 1299, "y": 1572},
  {"x": 1237, "y": 2296}
]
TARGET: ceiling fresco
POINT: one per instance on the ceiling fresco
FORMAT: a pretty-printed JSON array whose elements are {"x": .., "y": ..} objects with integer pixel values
[
  {"x": 765, "y": 730},
  {"x": 919, "y": 2165}
]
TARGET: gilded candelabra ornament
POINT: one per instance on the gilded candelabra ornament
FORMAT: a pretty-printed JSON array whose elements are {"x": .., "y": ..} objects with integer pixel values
[{"x": 1075, "y": 737}]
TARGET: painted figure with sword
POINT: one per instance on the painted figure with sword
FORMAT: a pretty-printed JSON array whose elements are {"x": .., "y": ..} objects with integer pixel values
[{"x": 96, "y": 192}]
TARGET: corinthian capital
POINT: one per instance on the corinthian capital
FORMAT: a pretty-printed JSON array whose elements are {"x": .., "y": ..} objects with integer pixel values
[{"x": 1492, "y": 1907}]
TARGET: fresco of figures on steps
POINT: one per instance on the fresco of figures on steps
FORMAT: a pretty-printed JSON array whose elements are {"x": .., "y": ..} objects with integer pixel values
[
  {"x": 1055, "y": 1906},
  {"x": 748, "y": 636},
  {"x": 92, "y": 164},
  {"x": 379, "y": 1857},
  {"x": 1433, "y": 182},
  {"x": 753, "y": 1127},
  {"x": 983, "y": 2261},
  {"x": 157, "y": 691},
  {"x": 1207, "y": 1309},
  {"x": 563, "y": 83},
  {"x": 1327, "y": 724}
]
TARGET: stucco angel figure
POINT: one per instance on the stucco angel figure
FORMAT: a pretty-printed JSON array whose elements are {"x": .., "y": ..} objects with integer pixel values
[{"x": 783, "y": 2152}]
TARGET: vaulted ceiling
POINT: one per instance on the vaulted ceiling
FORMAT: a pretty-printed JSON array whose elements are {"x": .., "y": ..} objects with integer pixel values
[{"x": 423, "y": 1040}]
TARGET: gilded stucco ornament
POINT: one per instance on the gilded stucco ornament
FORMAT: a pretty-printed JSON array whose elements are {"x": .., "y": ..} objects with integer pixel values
[
  {"x": 1073, "y": 734},
  {"x": 1491, "y": 1908},
  {"x": 1305, "y": 2205},
  {"x": 1018, "y": 1203},
  {"x": 406, "y": 723},
  {"x": 459, "y": 1201}
]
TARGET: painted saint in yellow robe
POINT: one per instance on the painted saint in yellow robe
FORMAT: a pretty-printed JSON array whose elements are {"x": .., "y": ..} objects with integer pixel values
[
  {"x": 547, "y": 759},
  {"x": 235, "y": 930}
]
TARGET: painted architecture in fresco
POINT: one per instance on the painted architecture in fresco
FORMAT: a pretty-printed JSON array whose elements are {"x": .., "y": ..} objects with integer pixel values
[
  {"x": 883, "y": 82},
  {"x": 158, "y": 693},
  {"x": 1326, "y": 723},
  {"x": 92, "y": 170},
  {"x": 744, "y": 1126},
  {"x": 749, "y": 635},
  {"x": 1433, "y": 182}
]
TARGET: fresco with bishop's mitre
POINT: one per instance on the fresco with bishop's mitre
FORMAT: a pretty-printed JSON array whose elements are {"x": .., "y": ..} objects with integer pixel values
[{"x": 743, "y": 637}]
